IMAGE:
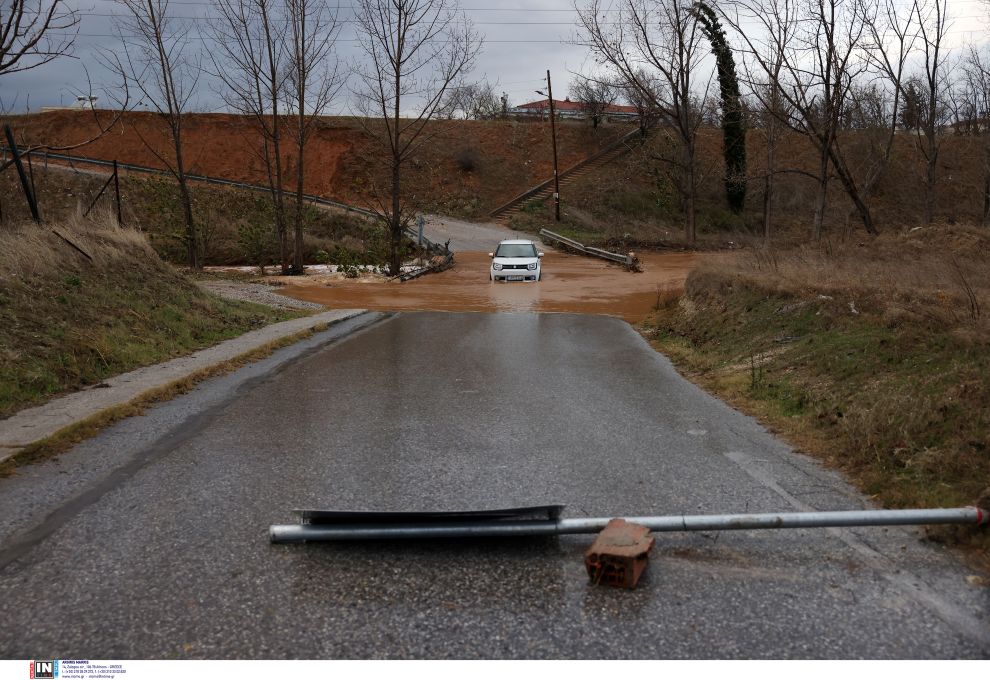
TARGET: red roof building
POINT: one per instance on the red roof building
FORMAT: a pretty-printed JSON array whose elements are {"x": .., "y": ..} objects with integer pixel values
[{"x": 569, "y": 109}]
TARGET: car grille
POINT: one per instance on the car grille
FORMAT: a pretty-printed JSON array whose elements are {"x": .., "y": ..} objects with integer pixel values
[{"x": 513, "y": 266}]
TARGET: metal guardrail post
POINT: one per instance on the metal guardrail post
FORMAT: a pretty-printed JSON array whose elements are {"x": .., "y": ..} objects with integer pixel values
[{"x": 25, "y": 184}]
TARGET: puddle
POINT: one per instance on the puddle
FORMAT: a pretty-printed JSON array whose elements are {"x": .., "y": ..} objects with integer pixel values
[{"x": 570, "y": 283}]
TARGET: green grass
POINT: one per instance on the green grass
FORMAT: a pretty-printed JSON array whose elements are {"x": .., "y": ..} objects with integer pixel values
[{"x": 66, "y": 322}]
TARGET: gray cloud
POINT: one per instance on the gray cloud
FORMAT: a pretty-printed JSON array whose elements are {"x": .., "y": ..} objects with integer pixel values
[{"x": 521, "y": 42}]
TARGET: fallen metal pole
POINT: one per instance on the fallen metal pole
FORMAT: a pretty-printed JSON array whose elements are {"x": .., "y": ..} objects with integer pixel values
[{"x": 299, "y": 533}]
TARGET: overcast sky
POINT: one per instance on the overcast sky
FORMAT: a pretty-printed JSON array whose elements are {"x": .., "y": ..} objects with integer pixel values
[{"x": 522, "y": 40}]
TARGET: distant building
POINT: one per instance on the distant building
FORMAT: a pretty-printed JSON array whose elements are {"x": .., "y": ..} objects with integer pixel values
[
  {"x": 84, "y": 103},
  {"x": 569, "y": 109}
]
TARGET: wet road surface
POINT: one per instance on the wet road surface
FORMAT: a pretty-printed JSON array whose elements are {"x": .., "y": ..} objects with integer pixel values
[{"x": 150, "y": 540}]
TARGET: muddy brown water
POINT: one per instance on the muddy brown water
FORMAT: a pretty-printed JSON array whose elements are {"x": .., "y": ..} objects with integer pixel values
[{"x": 570, "y": 283}]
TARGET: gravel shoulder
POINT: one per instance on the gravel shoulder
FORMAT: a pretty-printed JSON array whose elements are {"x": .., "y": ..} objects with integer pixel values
[{"x": 258, "y": 293}]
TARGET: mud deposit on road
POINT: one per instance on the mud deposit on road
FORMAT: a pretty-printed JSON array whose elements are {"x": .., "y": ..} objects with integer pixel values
[{"x": 570, "y": 283}]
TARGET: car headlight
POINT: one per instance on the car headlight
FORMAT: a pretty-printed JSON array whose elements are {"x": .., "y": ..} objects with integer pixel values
[
  {"x": 496, "y": 266},
  {"x": 531, "y": 266}
]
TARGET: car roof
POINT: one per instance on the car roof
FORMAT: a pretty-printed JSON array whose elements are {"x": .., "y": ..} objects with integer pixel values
[{"x": 513, "y": 242}]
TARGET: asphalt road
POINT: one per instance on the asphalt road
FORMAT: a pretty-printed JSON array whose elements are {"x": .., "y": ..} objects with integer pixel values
[
  {"x": 151, "y": 540},
  {"x": 471, "y": 236}
]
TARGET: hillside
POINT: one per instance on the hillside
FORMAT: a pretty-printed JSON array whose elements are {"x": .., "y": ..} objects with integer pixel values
[
  {"x": 465, "y": 168},
  {"x": 68, "y": 320},
  {"x": 635, "y": 195},
  {"x": 236, "y": 225}
]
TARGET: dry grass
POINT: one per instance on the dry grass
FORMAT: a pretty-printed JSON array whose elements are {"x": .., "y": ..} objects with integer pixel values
[
  {"x": 876, "y": 357},
  {"x": 30, "y": 251},
  {"x": 84, "y": 300},
  {"x": 941, "y": 272}
]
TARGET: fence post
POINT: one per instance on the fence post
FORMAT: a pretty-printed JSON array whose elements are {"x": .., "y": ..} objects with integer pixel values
[
  {"x": 28, "y": 194},
  {"x": 116, "y": 191}
]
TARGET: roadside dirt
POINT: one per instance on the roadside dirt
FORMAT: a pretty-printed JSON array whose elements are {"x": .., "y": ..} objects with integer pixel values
[{"x": 571, "y": 283}]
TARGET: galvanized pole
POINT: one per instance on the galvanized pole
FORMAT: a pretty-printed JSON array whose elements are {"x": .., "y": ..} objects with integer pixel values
[
  {"x": 553, "y": 135},
  {"x": 298, "y": 533}
]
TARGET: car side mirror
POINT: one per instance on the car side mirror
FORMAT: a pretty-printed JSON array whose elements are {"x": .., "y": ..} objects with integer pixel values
[
  {"x": 491, "y": 254},
  {"x": 540, "y": 254}
]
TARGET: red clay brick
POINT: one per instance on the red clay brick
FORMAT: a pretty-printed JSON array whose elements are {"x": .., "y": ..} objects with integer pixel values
[{"x": 618, "y": 556}]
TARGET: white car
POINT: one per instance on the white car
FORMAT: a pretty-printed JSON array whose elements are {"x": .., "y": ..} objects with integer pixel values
[{"x": 515, "y": 261}]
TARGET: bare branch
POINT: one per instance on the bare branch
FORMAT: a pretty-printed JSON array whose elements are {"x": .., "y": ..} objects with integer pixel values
[{"x": 35, "y": 32}]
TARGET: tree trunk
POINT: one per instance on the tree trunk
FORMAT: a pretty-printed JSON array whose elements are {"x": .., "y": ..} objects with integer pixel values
[
  {"x": 767, "y": 206},
  {"x": 192, "y": 244},
  {"x": 822, "y": 197},
  {"x": 768, "y": 183},
  {"x": 279, "y": 195},
  {"x": 849, "y": 184},
  {"x": 690, "y": 196},
  {"x": 986, "y": 183},
  {"x": 395, "y": 254},
  {"x": 395, "y": 263},
  {"x": 930, "y": 184},
  {"x": 297, "y": 260}
]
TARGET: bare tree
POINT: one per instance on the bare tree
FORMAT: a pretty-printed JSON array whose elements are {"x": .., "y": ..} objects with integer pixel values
[
  {"x": 596, "y": 96},
  {"x": 932, "y": 17},
  {"x": 250, "y": 61},
  {"x": 103, "y": 121},
  {"x": 315, "y": 78},
  {"x": 459, "y": 101},
  {"x": 976, "y": 113},
  {"x": 656, "y": 48},
  {"x": 415, "y": 51},
  {"x": 158, "y": 56},
  {"x": 815, "y": 49},
  {"x": 476, "y": 101},
  {"x": 642, "y": 99},
  {"x": 891, "y": 33},
  {"x": 35, "y": 32},
  {"x": 768, "y": 118}
]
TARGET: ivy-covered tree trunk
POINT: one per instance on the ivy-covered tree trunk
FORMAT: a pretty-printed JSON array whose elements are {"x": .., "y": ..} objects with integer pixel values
[{"x": 733, "y": 121}]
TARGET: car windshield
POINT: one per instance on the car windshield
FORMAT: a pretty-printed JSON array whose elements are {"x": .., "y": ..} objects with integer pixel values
[{"x": 516, "y": 250}]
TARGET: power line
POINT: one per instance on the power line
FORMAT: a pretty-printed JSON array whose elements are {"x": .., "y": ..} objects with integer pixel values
[
  {"x": 208, "y": 37},
  {"x": 205, "y": 17}
]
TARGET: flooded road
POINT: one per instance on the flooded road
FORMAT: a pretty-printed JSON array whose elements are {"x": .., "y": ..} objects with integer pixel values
[{"x": 571, "y": 283}]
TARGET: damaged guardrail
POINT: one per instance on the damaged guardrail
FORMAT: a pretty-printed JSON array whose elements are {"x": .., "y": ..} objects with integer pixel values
[
  {"x": 442, "y": 251},
  {"x": 628, "y": 260}
]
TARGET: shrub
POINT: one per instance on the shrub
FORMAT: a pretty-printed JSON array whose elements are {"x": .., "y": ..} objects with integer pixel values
[{"x": 467, "y": 160}]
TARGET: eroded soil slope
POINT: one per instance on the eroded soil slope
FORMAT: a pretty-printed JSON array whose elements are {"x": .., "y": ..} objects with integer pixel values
[{"x": 464, "y": 168}]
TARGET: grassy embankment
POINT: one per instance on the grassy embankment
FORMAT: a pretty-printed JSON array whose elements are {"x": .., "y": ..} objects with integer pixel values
[
  {"x": 236, "y": 226},
  {"x": 874, "y": 356},
  {"x": 67, "y": 322}
]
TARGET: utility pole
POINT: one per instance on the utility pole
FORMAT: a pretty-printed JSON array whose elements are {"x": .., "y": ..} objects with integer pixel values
[{"x": 553, "y": 136}]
